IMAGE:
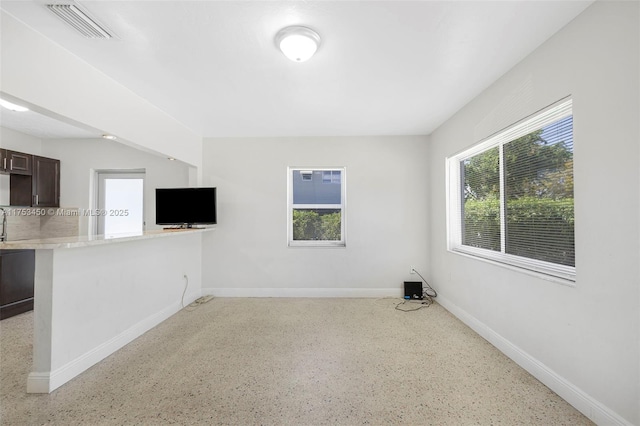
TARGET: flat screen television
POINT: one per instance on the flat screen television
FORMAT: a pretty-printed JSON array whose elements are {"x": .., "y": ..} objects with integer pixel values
[{"x": 186, "y": 206}]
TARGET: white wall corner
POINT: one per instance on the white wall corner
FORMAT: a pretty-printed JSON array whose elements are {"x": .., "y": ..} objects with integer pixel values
[
  {"x": 47, "y": 382},
  {"x": 591, "y": 408}
]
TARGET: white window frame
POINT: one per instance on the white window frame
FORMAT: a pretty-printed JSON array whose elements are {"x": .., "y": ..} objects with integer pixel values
[
  {"x": 98, "y": 220},
  {"x": 342, "y": 207},
  {"x": 555, "y": 272}
]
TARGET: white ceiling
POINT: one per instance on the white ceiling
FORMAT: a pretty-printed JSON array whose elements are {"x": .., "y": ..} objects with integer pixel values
[
  {"x": 383, "y": 68},
  {"x": 43, "y": 126}
]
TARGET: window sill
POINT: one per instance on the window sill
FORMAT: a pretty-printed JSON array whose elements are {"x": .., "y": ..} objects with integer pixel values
[
  {"x": 316, "y": 244},
  {"x": 547, "y": 275}
]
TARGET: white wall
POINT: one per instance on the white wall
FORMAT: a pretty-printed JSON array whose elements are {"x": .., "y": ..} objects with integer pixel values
[
  {"x": 49, "y": 79},
  {"x": 386, "y": 217},
  {"x": 79, "y": 158},
  {"x": 582, "y": 341},
  {"x": 18, "y": 141}
]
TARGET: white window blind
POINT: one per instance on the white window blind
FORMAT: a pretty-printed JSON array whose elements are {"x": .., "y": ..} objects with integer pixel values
[{"x": 511, "y": 196}]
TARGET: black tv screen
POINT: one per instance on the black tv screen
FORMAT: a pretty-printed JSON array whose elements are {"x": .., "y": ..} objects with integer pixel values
[{"x": 185, "y": 206}]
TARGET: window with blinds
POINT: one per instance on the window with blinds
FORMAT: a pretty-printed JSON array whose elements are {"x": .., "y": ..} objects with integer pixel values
[{"x": 511, "y": 196}]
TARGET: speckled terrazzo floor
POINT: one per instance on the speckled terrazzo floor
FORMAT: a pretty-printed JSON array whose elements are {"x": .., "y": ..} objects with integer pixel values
[{"x": 288, "y": 362}]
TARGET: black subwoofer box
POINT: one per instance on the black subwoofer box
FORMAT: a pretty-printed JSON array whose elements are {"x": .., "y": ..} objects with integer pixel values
[{"x": 413, "y": 290}]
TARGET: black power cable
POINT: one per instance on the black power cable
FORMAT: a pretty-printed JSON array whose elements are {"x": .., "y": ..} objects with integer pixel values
[
  {"x": 423, "y": 304},
  {"x": 427, "y": 288}
]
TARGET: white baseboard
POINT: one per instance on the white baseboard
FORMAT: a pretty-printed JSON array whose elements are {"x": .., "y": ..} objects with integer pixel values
[
  {"x": 591, "y": 408},
  {"x": 38, "y": 383},
  {"x": 303, "y": 292},
  {"x": 46, "y": 382}
]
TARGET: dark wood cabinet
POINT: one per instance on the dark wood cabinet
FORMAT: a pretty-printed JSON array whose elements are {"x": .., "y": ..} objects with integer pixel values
[
  {"x": 40, "y": 188},
  {"x": 15, "y": 162},
  {"x": 19, "y": 163},
  {"x": 17, "y": 272},
  {"x": 3, "y": 161},
  {"x": 45, "y": 182},
  {"x": 20, "y": 190}
]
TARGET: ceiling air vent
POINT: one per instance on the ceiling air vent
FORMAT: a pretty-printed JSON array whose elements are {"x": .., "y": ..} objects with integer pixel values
[{"x": 78, "y": 19}]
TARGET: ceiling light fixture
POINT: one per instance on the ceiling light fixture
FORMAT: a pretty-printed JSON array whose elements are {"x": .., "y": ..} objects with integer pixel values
[
  {"x": 298, "y": 43},
  {"x": 13, "y": 107},
  {"x": 110, "y": 137}
]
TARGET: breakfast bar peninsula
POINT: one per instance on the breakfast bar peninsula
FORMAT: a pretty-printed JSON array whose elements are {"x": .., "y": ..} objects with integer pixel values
[{"x": 93, "y": 295}]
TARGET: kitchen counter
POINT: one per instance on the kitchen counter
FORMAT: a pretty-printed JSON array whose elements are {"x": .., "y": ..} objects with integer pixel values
[
  {"x": 93, "y": 240},
  {"x": 93, "y": 295}
]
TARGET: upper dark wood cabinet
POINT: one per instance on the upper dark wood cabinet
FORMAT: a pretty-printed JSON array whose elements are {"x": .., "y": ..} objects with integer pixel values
[
  {"x": 3, "y": 161},
  {"x": 35, "y": 180},
  {"x": 15, "y": 162},
  {"x": 45, "y": 182},
  {"x": 18, "y": 163},
  {"x": 20, "y": 190}
]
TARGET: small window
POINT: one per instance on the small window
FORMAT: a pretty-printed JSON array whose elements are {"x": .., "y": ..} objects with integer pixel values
[
  {"x": 511, "y": 196},
  {"x": 331, "y": 176},
  {"x": 316, "y": 207}
]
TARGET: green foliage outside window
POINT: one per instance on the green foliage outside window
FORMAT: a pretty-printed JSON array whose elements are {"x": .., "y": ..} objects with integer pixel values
[
  {"x": 482, "y": 223},
  {"x": 551, "y": 220},
  {"x": 316, "y": 225},
  {"x": 538, "y": 185}
]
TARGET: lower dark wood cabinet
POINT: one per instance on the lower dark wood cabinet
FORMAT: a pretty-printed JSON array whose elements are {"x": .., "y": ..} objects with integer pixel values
[{"x": 17, "y": 272}]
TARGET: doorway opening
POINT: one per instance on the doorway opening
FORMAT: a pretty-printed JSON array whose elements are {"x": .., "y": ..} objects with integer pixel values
[{"x": 119, "y": 208}]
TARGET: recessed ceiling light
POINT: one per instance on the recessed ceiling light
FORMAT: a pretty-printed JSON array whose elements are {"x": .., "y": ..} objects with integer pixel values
[
  {"x": 110, "y": 137},
  {"x": 171, "y": 159},
  {"x": 13, "y": 107},
  {"x": 298, "y": 43}
]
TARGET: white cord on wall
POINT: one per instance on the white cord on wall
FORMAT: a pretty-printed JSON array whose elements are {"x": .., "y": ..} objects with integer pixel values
[{"x": 186, "y": 284}]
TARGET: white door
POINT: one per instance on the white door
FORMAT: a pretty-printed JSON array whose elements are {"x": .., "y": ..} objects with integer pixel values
[{"x": 120, "y": 203}]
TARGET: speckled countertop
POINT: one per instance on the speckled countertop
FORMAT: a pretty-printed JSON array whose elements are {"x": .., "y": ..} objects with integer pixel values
[{"x": 93, "y": 240}]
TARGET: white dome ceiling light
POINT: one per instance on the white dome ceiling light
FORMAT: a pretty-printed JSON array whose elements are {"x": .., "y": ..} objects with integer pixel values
[{"x": 298, "y": 43}]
